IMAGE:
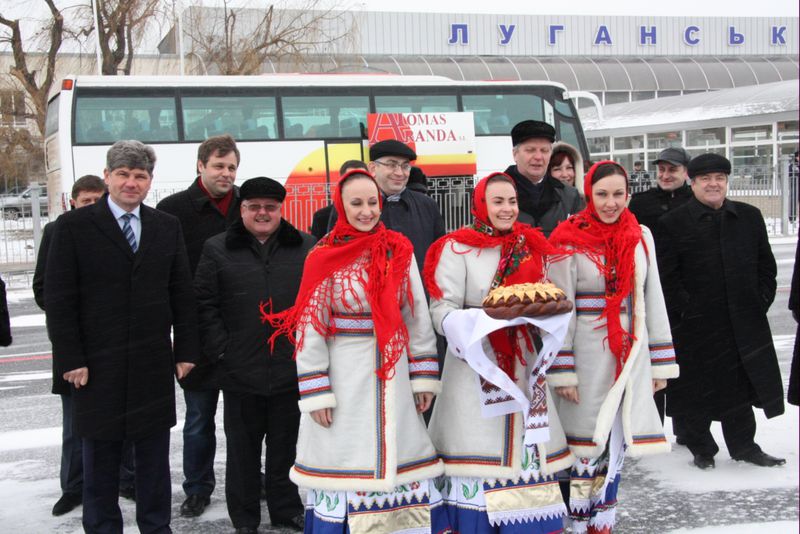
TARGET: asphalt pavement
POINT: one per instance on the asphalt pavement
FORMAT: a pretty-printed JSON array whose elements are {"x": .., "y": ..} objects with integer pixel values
[{"x": 30, "y": 419}]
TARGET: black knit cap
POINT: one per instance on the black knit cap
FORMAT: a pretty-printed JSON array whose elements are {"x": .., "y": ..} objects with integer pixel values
[
  {"x": 391, "y": 147},
  {"x": 706, "y": 163},
  {"x": 522, "y": 131},
  {"x": 262, "y": 187}
]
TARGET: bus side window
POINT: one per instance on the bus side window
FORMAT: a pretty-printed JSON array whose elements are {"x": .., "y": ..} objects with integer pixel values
[{"x": 293, "y": 131}]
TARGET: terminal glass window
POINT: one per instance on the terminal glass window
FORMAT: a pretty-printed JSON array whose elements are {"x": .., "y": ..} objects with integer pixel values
[
  {"x": 323, "y": 117},
  {"x": 705, "y": 137},
  {"x": 788, "y": 131},
  {"x": 629, "y": 163},
  {"x": 752, "y": 133},
  {"x": 697, "y": 151},
  {"x": 752, "y": 160},
  {"x": 628, "y": 143},
  {"x": 642, "y": 95},
  {"x": 497, "y": 114},
  {"x": 599, "y": 145},
  {"x": 243, "y": 117},
  {"x": 662, "y": 140},
  {"x": 416, "y": 104},
  {"x": 617, "y": 97},
  {"x": 107, "y": 119}
]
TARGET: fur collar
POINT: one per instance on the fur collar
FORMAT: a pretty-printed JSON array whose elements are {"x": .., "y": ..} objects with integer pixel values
[{"x": 237, "y": 235}]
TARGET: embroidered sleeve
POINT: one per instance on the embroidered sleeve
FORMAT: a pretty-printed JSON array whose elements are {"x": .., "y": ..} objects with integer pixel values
[
  {"x": 562, "y": 372},
  {"x": 423, "y": 362},
  {"x": 451, "y": 275},
  {"x": 313, "y": 362}
]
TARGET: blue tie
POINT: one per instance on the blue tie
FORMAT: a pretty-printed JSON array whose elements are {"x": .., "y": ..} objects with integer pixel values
[{"x": 128, "y": 231}]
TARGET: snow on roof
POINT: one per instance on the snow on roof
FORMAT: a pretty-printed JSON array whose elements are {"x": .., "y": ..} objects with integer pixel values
[{"x": 777, "y": 97}]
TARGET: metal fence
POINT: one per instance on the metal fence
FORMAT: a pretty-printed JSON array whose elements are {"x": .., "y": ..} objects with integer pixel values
[{"x": 773, "y": 190}]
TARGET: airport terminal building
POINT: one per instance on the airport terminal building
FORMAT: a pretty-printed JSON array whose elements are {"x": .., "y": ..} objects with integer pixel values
[{"x": 624, "y": 61}]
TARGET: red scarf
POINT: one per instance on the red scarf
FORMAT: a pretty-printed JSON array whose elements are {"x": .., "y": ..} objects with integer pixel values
[
  {"x": 378, "y": 260},
  {"x": 223, "y": 203},
  {"x": 611, "y": 248},
  {"x": 522, "y": 250}
]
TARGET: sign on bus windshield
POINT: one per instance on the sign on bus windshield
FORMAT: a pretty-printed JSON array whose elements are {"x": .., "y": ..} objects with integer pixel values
[{"x": 444, "y": 142}]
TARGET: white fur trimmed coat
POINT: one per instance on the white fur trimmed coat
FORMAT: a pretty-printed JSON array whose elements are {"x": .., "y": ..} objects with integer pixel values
[
  {"x": 586, "y": 362},
  {"x": 377, "y": 440},
  {"x": 469, "y": 444}
]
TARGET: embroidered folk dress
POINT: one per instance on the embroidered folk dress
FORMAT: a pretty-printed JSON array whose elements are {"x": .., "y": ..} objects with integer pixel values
[
  {"x": 370, "y": 471},
  {"x": 585, "y": 361},
  {"x": 493, "y": 483}
]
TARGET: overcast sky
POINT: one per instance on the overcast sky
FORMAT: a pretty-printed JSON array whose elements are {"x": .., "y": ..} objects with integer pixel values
[{"x": 680, "y": 8}]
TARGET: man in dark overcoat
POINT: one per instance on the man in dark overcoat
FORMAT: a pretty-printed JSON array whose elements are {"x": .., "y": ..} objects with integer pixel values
[
  {"x": 121, "y": 283},
  {"x": 671, "y": 190},
  {"x": 5, "y": 319},
  {"x": 719, "y": 279},
  {"x": 258, "y": 260},
  {"x": 793, "y": 393},
  {"x": 207, "y": 208},
  {"x": 413, "y": 214},
  {"x": 543, "y": 200},
  {"x": 86, "y": 190}
]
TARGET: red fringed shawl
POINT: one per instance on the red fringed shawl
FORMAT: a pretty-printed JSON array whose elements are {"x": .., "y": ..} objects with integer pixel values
[
  {"x": 611, "y": 248},
  {"x": 378, "y": 260},
  {"x": 522, "y": 250}
]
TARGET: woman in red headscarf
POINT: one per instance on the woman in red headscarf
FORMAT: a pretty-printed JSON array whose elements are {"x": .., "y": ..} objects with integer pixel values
[
  {"x": 494, "y": 481},
  {"x": 618, "y": 350},
  {"x": 367, "y": 368}
]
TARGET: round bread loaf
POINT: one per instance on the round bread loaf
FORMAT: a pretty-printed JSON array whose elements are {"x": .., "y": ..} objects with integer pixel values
[{"x": 526, "y": 300}]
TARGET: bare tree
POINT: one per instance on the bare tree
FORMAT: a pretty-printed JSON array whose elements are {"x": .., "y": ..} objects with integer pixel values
[
  {"x": 240, "y": 41},
  {"x": 122, "y": 23},
  {"x": 21, "y": 158},
  {"x": 35, "y": 72}
]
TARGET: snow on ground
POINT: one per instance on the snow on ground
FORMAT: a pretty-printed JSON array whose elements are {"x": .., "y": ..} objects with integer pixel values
[
  {"x": 776, "y": 527},
  {"x": 15, "y": 296},
  {"x": 23, "y": 321},
  {"x": 777, "y": 436}
]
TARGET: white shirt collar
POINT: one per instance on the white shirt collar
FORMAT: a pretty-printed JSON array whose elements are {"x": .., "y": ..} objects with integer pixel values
[{"x": 118, "y": 212}]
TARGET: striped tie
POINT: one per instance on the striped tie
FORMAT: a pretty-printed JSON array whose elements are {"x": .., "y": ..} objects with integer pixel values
[{"x": 128, "y": 231}]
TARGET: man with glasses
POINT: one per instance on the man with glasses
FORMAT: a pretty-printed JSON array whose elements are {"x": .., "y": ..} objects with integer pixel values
[
  {"x": 259, "y": 259},
  {"x": 413, "y": 214}
]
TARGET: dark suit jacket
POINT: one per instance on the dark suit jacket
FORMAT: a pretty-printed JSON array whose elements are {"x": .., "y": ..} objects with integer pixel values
[
  {"x": 717, "y": 305},
  {"x": 5, "y": 319},
  {"x": 111, "y": 310},
  {"x": 200, "y": 220},
  {"x": 235, "y": 275},
  {"x": 60, "y": 386}
]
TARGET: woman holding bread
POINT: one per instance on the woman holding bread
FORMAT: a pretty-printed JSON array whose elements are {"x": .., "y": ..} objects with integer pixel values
[
  {"x": 618, "y": 349},
  {"x": 495, "y": 482}
]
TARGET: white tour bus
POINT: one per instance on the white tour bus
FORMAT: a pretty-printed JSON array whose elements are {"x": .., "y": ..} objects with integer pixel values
[{"x": 295, "y": 128}]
